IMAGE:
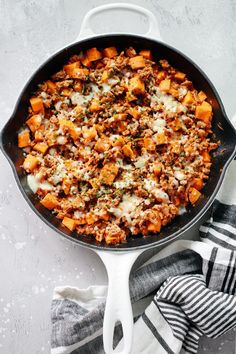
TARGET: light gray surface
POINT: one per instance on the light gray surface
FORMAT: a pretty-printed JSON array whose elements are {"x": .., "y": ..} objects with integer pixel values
[{"x": 33, "y": 259}]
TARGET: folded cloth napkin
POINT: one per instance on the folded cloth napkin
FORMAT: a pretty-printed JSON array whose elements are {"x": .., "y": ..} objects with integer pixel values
[{"x": 185, "y": 291}]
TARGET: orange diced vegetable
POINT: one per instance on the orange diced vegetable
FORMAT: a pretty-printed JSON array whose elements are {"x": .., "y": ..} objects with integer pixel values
[
  {"x": 93, "y": 54},
  {"x": 204, "y": 112},
  {"x": 120, "y": 116},
  {"x": 89, "y": 134},
  {"x": 34, "y": 122},
  {"x": 160, "y": 138},
  {"x": 105, "y": 76},
  {"x": 66, "y": 186},
  {"x": 137, "y": 62},
  {"x": 188, "y": 98},
  {"x": 149, "y": 144},
  {"x": 134, "y": 112},
  {"x": 202, "y": 96},
  {"x": 197, "y": 183},
  {"x": 30, "y": 162},
  {"x": 49, "y": 201},
  {"x": 95, "y": 106},
  {"x": 155, "y": 227},
  {"x": 127, "y": 151},
  {"x": 91, "y": 218},
  {"x": 66, "y": 92},
  {"x": 180, "y": 76},
  {"x": 69, "y": 126},
  {"x": 51, "y": 86},
  {"x": 193, "y": 195},
  {"x": 78, "y": 86},
  {"x": 206, "y": 156},
  {"x": 110, "y": 52},
  {"x": 69, "y": 223},
  {"x": 80, "y": 73},
  {"x": 37, "y": 105},
  {"x": 69, "y": 68},
  {"x": 147, "y": 54},
  {"x": 95, "y": 182},
  {"x": 136, "y": 85},
  {"x": 41, "y": 147},
  {"x": 24, "y": 138},
  {"x": 119, "y": 141},
  {"x": 108, "y": 173},
  {"x": 164, "y": 85},
  {"x": 161, "y": 75},
  {"x": 102, "y": 145},
  {"x": 85, "y": 61}
]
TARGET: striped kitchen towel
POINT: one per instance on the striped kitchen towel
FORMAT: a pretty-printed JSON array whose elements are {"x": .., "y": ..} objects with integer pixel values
[{"x": 185, "y": 291}]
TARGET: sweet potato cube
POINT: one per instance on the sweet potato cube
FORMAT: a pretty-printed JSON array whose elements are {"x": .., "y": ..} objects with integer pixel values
[
  {"x": 161, "y": 75},
  {"x": 134, "y": 112},
  {"x": 69, "y": 68},
  {"x": 108, "y": 173},
  {"x": 180, "y": 76},
  {"x": 30, "y": 163},
  {"x": 93, "y": 54},
  {"x": 160, "y": 138},
  {"x": 41, "y": 147},
  {"x": 204, "y": 112},
  {"x": 110, "y": 52},
  {"x": 37, "y": 105},
  {"x": 202, "y": 96},
  {"x": 80, "y": 73},
  {"x": 197, "y": 183},
  {"x": 78, "y": 86},
  {"x": 206, "y": 156},
  {"x": 147, "y": 54},
  {"x": 34, "y": 122},
  {"x": 69, "y": 223},
  {"x": 49, "y": 201},
  {"x": 193, "y": 195},
  {"x": 89, "y": 134},
  {"x": 91, "y": 218},
  {"x": 105, "y": 76},
  {"x": 188, "y": 98},
  {"x": 95, "y": 106},
  {"x": 136, "y": 85},
  {"x": 23, "y": 138},
  {"x": 51, "y": 86},
  {"x": 85, "y": 61},
  {"x": 66, "y": 92},
  {"x": 137, "y": 62},
  {"x": 119, "y": 141},
  {"x": 128, "y": 152},
  {"x": 95, "y": 182},
  {"x": 155, "y": 227},
  {"x": 164, "y": 85},
  {"x": 149, "y": 144},
  {"x": 102, "y": 145},
  {"x": 69, "y": 126}
]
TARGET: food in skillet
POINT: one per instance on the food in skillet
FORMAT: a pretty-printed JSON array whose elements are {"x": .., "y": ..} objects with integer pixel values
[{"x": 117, "y": 144}]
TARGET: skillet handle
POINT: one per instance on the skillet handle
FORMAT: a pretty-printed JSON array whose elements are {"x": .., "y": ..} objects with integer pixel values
[
  {"x": 153, "y": 29},
  {"x": 118, "y": 303}
]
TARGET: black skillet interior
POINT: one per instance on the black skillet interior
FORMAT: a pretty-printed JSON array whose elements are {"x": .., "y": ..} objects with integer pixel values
[{"x": 222, "y": 129}]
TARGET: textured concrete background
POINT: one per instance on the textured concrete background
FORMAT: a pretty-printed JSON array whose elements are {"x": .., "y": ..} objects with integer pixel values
[{"x": 33, "y": 259}]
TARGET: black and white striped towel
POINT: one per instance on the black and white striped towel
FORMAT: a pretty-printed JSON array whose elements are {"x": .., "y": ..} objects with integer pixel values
[{"x": 185, "y": 291}]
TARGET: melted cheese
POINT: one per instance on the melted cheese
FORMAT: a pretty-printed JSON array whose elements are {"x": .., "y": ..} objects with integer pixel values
[
  {"x": 158, "y": 125},
  {"x": 151, "y": 186},
  {"x": 140, "y": 161},
  {"x": 126, "y": 207},
  {"x": 35, "y": 184},
  {"x": 168, "y": 101}
]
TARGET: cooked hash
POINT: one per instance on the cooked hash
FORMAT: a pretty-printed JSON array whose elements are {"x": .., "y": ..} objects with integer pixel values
[{"x": 117, "y": 144}]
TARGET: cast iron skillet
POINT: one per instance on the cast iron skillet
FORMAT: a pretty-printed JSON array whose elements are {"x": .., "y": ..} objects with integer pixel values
[{"x": 222, "y": 130}]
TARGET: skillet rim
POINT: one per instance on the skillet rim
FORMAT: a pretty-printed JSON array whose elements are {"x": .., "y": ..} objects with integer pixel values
[{"x": 116, "y": 248}]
